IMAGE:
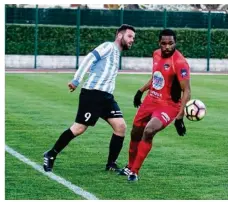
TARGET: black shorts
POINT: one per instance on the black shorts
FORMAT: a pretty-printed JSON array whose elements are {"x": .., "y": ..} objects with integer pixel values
[{"x": 95, "y": 104}]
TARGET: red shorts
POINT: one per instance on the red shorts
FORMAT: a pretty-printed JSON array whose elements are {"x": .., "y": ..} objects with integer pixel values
[{"x": 148, "y": 109}]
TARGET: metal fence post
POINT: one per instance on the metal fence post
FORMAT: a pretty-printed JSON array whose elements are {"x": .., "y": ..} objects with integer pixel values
[
  {"x": 78, "y": 37},
  {"x": 165, "y": 19},
  {"x": 36, "y": 37},
  {"x": 209, "y": 41},
  {"x": 121, "y": 22}
]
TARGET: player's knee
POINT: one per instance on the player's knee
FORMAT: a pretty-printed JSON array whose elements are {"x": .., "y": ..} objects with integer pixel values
[
  {"x": 123, "y": 127},
  {"x": 149, "y": 133},
  {"x": 78, "y": 129},
  {"x": 152, "y": 128},
  {"x": 120, "y": 129}
]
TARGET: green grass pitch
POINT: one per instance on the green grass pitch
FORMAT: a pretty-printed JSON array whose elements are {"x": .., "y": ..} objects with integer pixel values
[{"x": 38, "y": 107}]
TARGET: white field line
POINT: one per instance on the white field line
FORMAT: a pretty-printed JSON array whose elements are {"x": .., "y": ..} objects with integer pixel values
[{"x": 77, "y": 190}]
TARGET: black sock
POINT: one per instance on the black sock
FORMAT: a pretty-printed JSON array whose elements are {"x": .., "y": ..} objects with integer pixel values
[
  {"x": 62, "y": 142},
  {"x": 115, "y": 147}
]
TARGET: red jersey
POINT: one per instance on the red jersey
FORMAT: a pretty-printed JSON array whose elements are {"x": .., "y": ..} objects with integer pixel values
[{"x": 165, "y": 70}]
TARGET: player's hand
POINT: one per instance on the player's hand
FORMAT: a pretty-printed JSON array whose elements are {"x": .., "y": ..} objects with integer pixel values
[
  {"x": 71, "y": 87},
  {"x": 137, "y": 99},
  {"x": 180, "y": 127}
]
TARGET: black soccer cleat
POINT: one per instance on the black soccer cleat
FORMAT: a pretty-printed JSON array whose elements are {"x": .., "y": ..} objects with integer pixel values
[
  {"x": 132, "y": 177},
  {"x": 125, "y": 171},
  {"x": 112, "y": 167},
  {"x": 48, "y": 162}
]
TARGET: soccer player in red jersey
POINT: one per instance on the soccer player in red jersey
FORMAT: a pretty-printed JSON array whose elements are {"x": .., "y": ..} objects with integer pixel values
[{"x": 162, "y": 104}]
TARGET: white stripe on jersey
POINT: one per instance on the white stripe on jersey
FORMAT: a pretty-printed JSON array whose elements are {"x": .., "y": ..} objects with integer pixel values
[
  {"x": 103, "y": 76},
  {"x": 114, "y": 62},
  {"x": 115, "y": 70},
  {"x": 90, "y": 79}
]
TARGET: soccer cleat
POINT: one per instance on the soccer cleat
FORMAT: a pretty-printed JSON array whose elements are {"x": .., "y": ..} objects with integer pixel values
[
  {"x": 133, "y": 177},
  {"x": 112, "y": 167},
  {"x": 125, "y": 171},
  {"x": 48, "y": 162}
]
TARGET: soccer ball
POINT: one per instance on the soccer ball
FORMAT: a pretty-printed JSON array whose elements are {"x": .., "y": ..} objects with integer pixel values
[{"x": 195, "y": 110}]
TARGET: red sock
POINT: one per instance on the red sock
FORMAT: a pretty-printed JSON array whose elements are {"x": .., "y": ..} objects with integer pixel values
[
  {"x": 133, "y": 148},
  {"x": 143, "y": 150}
]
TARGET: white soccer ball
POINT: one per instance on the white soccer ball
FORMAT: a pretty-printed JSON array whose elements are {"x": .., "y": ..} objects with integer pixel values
[{"x": 195, "y": 110}]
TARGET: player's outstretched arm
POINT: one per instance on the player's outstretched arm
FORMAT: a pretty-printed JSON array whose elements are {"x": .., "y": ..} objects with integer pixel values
[{"x": 146, "y": 86}]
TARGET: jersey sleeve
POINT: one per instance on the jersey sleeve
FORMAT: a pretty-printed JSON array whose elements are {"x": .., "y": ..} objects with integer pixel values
[
  {"x": 182, "y": 70},
  {"x": 102, "y": 50},
  {"x": 87, "y": 62}
]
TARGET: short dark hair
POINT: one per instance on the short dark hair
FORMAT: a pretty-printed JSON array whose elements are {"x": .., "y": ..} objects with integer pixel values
[
  {"x": 124, "y": 27},
  {"x": 167, "y": 32}
]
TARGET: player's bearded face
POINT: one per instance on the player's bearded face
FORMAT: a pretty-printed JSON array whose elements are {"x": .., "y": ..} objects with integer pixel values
[
  {"x": 124, "y": 44},
  {"x": 167, "y": 45},
  {"x": 127, "y": 39}
]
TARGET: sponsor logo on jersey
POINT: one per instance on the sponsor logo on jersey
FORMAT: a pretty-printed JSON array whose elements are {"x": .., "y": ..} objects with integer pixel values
[
  {"x": 155, "y": 94},
  {"x": 158, "y": 80}
]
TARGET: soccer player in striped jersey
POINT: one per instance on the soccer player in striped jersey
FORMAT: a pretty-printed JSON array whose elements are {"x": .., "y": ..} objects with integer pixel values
[
  {"x": 96, "y": 98},
  {"x": 162, "y": 104}
]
